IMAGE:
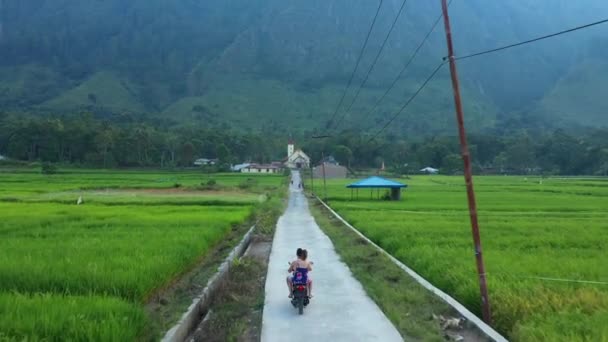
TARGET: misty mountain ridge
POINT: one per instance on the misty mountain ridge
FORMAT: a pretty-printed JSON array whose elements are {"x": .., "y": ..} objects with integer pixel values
[{"x": 284, "y": 64}]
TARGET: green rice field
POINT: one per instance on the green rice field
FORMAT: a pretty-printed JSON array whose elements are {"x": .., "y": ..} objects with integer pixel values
[
  {"x": 545, "y": 246},
  {"x": 84, "y": 272}
]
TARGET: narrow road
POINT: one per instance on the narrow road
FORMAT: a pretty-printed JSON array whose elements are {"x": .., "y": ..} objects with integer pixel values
[{"x": 340, "y": 309}]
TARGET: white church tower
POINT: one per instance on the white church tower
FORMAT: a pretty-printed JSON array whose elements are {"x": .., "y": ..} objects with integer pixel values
[{"x": 290, "y": 148}]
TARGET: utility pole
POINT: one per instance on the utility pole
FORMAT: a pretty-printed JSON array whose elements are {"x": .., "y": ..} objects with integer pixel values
[
  {"x": 466, "y": 158},
  {"x": 312, "y": 180},
  {"x": 323, "y": 163},
  {"x": 324, "y": 182},
  {"x": 1, "y": 20}
]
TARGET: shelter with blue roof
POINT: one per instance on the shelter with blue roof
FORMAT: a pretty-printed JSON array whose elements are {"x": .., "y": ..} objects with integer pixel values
[{"x": 378, "y": 183}]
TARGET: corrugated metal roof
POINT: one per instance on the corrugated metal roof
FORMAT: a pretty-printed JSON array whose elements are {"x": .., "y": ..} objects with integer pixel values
[{"x": 376, "y": 182}]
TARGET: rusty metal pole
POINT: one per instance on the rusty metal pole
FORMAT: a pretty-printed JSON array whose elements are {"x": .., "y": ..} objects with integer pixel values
[{"x": 466, "y": 158}]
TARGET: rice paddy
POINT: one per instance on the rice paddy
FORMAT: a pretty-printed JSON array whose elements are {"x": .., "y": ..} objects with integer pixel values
[
  {"x": 544, "y": 241},
  {"x": 84, "y": 272}
]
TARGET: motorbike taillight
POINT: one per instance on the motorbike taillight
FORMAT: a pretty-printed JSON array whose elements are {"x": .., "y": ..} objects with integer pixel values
[{"x": 301, "y": 288}]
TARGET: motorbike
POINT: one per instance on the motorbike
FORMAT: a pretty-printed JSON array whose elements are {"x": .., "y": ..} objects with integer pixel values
[{"x": 299, "y": 290}]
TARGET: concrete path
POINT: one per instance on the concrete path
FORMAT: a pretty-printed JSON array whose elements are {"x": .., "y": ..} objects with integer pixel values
[{"x": 340, "y": 309}]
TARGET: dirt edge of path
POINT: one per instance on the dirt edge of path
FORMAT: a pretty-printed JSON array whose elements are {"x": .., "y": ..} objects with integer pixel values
[{"x": 236, "y": 311}]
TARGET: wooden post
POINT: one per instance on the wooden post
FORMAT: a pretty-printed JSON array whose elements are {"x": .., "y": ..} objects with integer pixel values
[
  {"x": 324, "y": 181},
  {"x": 312, "y": 180},
  {"x": 466, "y": 158}
]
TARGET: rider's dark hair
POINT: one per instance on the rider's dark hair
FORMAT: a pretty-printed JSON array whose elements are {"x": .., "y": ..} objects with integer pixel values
[
  {"x": 304, "y": 254},
  {"x": 299, "y": 252}
]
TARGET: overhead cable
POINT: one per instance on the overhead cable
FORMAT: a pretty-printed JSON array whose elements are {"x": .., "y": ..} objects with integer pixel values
[
  {"x": 407, "y": 64},
  {"x": 530, "y": 41},
  {"x": 409, "y": 101},
  {"x": 350, "y": 81},
  {"x": 371, "y": 67}
]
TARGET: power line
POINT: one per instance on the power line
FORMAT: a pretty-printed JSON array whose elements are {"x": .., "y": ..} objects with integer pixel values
[
  {"x": 412, "y": 57},
  {"x": 531, "y": 40},
  {"x": 356, "y": 66},
  {"x": 465, "y": 57},
  {"x": 565, "y": 280},
  {"x": 369, "y": 71},
  {"x": 428, "y": 79}
]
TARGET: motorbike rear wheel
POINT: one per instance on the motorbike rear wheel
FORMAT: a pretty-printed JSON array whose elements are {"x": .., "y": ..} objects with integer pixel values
[{"x": 301, "y": 305}]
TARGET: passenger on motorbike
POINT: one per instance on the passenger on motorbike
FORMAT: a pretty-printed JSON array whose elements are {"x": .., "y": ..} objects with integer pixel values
[{"x": 300, "y": 262}]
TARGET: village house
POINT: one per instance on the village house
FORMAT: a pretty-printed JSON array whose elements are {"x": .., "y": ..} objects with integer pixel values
[
  {"x": 239, "y": 167},
  {"x": 429, "y": 170},
  {"x": 205, "y": 162},
  {"x": 262, "y": 168},
  {"x": 296, "y": 159},
  {"x": 332, "y": 170}
]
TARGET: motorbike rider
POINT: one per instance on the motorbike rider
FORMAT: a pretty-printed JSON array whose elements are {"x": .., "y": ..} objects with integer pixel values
[{"x": 300, "y": 262}]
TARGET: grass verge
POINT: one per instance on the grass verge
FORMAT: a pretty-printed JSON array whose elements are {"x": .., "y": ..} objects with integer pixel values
[
  {"x": 236, "y": 312},
  {"x": 409, "y": 306}
]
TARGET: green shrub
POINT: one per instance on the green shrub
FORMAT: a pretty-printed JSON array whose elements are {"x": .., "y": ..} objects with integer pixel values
[
  {"x": 248, "y": 184},
  {"x": 211, "y": 184},
  {"x": 48, "y": 169}
]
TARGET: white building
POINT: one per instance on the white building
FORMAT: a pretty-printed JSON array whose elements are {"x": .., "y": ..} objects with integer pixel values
[
  {"x": 296, "y": 159},
  {"x": 239, "y": 167},
  {"x": 429, "y": 170},
  {"x": 261, "y": 168},
  {"x": 205, "y": 162}
]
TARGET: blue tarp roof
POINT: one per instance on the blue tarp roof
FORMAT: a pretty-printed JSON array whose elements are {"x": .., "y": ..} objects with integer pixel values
[{"x": 376, "y": 182}]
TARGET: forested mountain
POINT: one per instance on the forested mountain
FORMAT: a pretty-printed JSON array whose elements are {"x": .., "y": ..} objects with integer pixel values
[{"x": 273, "y": 65}]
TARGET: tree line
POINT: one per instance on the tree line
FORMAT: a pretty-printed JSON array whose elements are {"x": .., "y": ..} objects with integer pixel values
[
  {"x": 88, "y": 141},
  {"x": 94, "y": 142},
  {"x": 520, "y": 152}
]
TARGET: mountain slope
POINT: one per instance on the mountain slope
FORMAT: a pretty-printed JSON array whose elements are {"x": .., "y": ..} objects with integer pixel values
[
  {"x": 580, "y": 96},
  {"x": 276, "y": 64},
  {"x": 103, "y": 90}
]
